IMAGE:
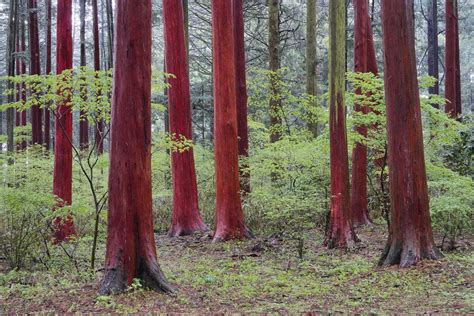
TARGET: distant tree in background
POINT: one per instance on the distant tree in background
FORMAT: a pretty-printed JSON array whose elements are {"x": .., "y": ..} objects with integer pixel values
[{"x": 452, "y": 63}]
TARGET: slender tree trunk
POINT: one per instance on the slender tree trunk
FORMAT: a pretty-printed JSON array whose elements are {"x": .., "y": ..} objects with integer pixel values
[
  {"x": 433, "y": 47},
  {"x": 110, "y": 33},
  {"x": 186, "y": 218},
  {"x": 186, "y": 24},
  {"x": 47, "y": 112},
  {"x": 452, "y": 64},
  {"x": 12, "y": 36},
  {"x": 340, "y": 233},
  {"x": 21, "y": 70},
  {"x": 62, "y": 177},
  {"x": 241, "y": 90},
  {"x": 99, "y": 130},
  {"x": 364, "y": 61},
  {"x": 131, "y": 248},
  {"x": 83, "y": 123},
  {"x": 311, "y": 86},
  {"x": 274, "y": 64},
  {"x": 229, "y": 214},
  {"x": 410, "y": 236},
  {"x": 35, "y": 68}
]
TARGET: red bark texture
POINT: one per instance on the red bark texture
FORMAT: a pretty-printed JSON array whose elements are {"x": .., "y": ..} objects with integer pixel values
[
  {"x": 35, "y": 68},
  {"x": 241, "y": 90},
  {"x": 47, "y": 113},
  {"x": 186, "y": 218},
  {"x": 410, "y": 235},
  {"x": 131, "y": 250},
  {"x": 99, "y": 129},
  {"x": 452, "y": 63},
  {"x": 83, "y": 123},
  {"x": 229, "y": 214},
  {"x": 364, "y": 61},
  {"x": 340, "y": 232},
  {"x": 62, "y": 177}
]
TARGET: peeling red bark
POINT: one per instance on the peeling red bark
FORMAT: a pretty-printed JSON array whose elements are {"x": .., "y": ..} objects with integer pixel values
[
  {"x": 35, "y": 68},
  {"x": 364, "y": 61},
  {"x": 186, "y": 218},
  {"x": 62, "y": 177},
  {"x": 131, "y": 250},
  {"x": 47, "y": 113},
  {"x": 99, "y": 129},
  {"x": 241, "y": 90},
  {"x": 340, "y": 232},
  {"x": 410, "y": 237},
  {"x": 452, "y": 63},
  {"x": 229, "y": 214}
]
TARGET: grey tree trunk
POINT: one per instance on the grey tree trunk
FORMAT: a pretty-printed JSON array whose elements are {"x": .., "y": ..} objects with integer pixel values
[
  {"x": 311, "y": 84},
  {"x": 274, "y": 65}
]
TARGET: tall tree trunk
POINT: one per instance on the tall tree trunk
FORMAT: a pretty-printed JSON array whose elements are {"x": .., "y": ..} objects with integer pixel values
[
  {"x": 274, "y": 65},
  {"x": 433, "y": 47},
  {"x": 83, "y": 123},
  {"x": 229, "y": 214},
  {"x": 364, "y": 61},
  {"x": 241, "y": 90},
  {"x": 311, "y": 86},
  {"x": 110, "y": 33},
  {"x": 35, "y": 68},
  {"x": 186, "y": 24},
  {"x": 131, "y": 248},
  {"x": 99, "y": 129},
  {"x": 21, "y": 70},
  {"x": 47, "y": 112},
  {"x": 340, "y": 233},
  {"x": 62, "y": 177},
  {"x": 410, "y": 236},
  {"x": 186, "y": 218},
  {"x": 12, "y": 36},
  {"x": 452, "y": 64}
]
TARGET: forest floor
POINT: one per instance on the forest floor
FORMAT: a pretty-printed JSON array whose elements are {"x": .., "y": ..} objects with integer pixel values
[{"x": 263, "y": 275}]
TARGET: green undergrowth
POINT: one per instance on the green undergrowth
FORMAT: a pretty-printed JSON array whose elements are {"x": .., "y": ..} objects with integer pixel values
[{"x": 262, "y": 275}]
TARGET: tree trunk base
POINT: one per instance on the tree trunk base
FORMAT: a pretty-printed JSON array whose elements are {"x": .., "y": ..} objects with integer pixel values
[
  {"x": 115, "y": 280},
  {"x": 364, "y": 220},
  {"x": 226, "y": 235},
  {"x": 406, "y": 254},
  {"x": 177, "y": 230},
  {"x": 340, "y": 239}
]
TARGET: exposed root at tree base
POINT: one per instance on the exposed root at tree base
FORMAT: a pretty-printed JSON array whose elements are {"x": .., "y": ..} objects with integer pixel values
[
  {"x": 223, "y": 235},
  {"x": 396, "y": 253},
  {"x": 115, "y": 281},
  {"x": 178, "y": 230}
]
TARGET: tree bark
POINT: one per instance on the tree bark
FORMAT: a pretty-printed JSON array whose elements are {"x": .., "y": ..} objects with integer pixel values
[
  {"x": 410, "y": 236},
  {"x": 433, "y": 47},
  {"x": 35, "y": 68},
  {"x": 21, "y": 70},
  {"x": 340, "y": 233},
  {"x": 83, "y": 123},
  {"x": 274, "y": 65},
  {"x": 241, "y": 90},
  {"x": 364, "y": 61},
  {"x": 229, "y": 214},
  {"x": 99, "y": 129},
  {"x": 186, "y": 218},
  {"x": 131, "y": 250},
  {"x": 47, "y": 113},
  {"x": 311, "y": 86},
  {"x": 62, "y": 177},
  {"x": 452, "y": 64}
]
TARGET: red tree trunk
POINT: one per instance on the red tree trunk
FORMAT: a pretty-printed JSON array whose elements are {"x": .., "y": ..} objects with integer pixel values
[
  {"x": 410, "y": 236},
  {"x": 452, "y": 64},
  {"x": 47, "y": 113},
  {"x": 364, "y": 61},
  {"x": 131, "y": 250},
  {"x": 99, "y": 129},
  {"x": 229, "y": 214},
  {"x": 83, "y": 123},
  {"x": 62, "y": 178},
  {"x": 186, "y": 218},
  {"x": 340, "y": 233},
  {"x": 35, "y": 68},
  {"x": 241, "y": 82}
]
